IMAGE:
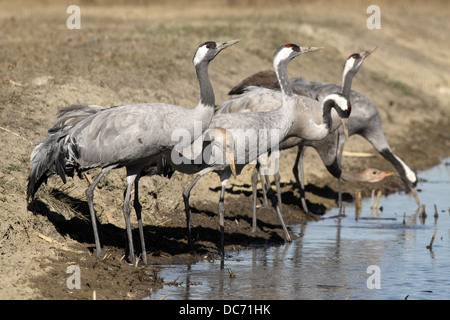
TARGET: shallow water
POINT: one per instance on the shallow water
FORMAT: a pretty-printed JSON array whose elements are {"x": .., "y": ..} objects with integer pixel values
[{"x": 330, "y": 259}]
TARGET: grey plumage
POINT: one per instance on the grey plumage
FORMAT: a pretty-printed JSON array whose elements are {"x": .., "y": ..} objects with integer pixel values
[
  {"x": 253, "y": 123},
  {"x": 313, "y": 120},
  {"x": 364, "y": 120},
  {"x": 131, "y": 136}
]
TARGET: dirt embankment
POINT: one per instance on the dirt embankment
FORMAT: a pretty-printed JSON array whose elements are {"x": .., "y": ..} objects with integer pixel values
[{"x": 142, "y": 53}]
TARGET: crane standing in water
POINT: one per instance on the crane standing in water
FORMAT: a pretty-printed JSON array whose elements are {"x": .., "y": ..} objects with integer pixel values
[
  {"x": 280, "y": 118},
  {"x": 364, "y": 120}
]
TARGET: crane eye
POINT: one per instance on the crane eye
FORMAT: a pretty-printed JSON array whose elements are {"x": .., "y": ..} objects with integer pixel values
[{"x": 207, "y": 46}]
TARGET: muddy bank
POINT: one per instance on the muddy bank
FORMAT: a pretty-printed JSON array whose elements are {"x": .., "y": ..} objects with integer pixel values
[{"x": 117, "y": 59}]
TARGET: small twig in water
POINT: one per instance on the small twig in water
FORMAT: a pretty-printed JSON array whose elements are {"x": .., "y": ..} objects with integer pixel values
[
  {"x": 231, "y": 273},
  {"x": 378, "y": 199},
  {"x": 371, "y": 200},
  {"x": 358, "y": 205},
  {"x": 166, "y": 296},
  {"x": 422, "y": 213},
  {"x": 430, "y": 247},
  {"x": 436, "y": 215}
]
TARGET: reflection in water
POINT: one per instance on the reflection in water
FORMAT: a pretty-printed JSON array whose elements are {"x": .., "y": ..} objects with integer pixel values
[{"x": 331, "y": 257}]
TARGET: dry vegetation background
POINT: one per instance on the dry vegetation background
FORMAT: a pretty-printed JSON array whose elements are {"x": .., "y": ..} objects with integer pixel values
[{"x": 141, "y": 51}]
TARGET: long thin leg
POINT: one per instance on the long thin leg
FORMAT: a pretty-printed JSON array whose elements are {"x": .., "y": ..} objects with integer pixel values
[
  {"x": 341, "y": 150},
  {"x": 126, "y": 214},
  {"x": 296, "y": 164},
  {"x": 264, "y": 186},
  {"x": 90, "y": 200},
  {"x": 261, "y": 162},
  {"x": 186, "y": 195},
  {"x": 268, "y": 185},
  {"x": 254, "y": 191},
  {"x": 299, "y": 162},
  {"x": 222, "y": 214},
  {"x": 138, "y": 209},
  {"x": 279, "y": 206},
  {"x": 302, "y": 180}
]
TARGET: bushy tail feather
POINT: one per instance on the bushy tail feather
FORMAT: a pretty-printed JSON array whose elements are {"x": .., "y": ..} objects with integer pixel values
[{"x": 47, "y": 158}]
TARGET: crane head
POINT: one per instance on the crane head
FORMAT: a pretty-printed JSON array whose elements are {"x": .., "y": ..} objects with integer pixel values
[
  {"x": 343, "y": 107},
  {"x": 209, "y": 49},
  {"x": 355, "y": 60},
  {"x": 287, "y": 52}
]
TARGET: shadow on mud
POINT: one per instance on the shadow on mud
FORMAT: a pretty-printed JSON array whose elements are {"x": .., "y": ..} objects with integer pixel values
[{"x": 161, "y": 241}]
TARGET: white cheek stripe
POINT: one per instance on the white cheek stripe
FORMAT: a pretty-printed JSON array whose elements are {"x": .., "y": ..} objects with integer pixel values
[
  {"x": 340, "y": 101},
  {"x": 200, "y": 54},
  {"x": 409, "y": 173},
  {"x": 283, "y": 54}
]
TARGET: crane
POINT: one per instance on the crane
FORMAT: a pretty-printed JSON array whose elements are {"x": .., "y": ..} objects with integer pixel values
[
  {"x": 364, "y": 120},
  {"x": 256, "y": 127},
  {"x": 130, "y": 136},
  {"x": 313, "y": 121}
]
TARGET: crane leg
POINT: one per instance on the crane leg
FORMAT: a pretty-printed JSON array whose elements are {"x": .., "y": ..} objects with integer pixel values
[
  {"x": 264, "y": 186},
  {"x": 302, "y": 180},
  {"x": 295, "y": 167},
  {"x": 90, "y": 200},
  {"x": 126, "y": 215},
  {"x": 186, "y": 195},
  {"x": 341, "y": 150},
  {"x": 221, "y": 216},
  {"x": 254, "y": 192},
  {"x": 267, "y": 185},
  {"x": 278, "y": 206},
  {"x": 138, "y": 209}
]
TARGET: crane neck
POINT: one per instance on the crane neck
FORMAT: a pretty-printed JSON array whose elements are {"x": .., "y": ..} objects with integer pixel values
[
  {"x": 327, "y": 105},
  {"x": 283, "y": 80},
  {"x": 347, "y": 79},
  {"x": 206, "y": 90}
]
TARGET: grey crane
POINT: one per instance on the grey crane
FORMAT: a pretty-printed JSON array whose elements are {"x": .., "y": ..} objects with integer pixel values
[
  {"x": 253, "y": 126},
  {"x": 313, "y": 121},
  {"x": 130, "y": 136},
  {"x": 216, "y": 152},
  {"x": 364, "y": 120}
]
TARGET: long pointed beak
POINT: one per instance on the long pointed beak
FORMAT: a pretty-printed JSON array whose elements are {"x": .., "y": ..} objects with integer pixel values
[
  {"x": 309, "y": 49},
  {"x": 366, "y": 53},
  {"x": 230, "y": 160},
  {"x": 415, "y": 195},
  {"x": 345, "y": 127},
  {"x": 222, "y": 45}
]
